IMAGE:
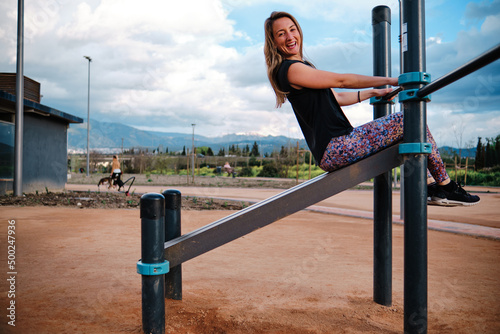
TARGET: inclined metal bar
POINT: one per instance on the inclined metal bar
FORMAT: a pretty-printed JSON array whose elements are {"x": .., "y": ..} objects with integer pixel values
[
  {"x": 473, "y": 65},
  {"x": 261, "y": 214}
]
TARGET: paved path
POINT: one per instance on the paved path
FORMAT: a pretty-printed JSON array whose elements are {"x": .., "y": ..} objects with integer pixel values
[{"x": 481, "y": 220}]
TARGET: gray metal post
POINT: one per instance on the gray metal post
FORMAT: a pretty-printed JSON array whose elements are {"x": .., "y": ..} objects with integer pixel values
[
  {"x": 18, "y": 164},
  {"x": 382, "y": 191},
  {"x": 152, "y": 265},
  {"x": 173, "y": 203},
  {"x": 415, "y": 192},
  {"x": 88, "y": 114}
]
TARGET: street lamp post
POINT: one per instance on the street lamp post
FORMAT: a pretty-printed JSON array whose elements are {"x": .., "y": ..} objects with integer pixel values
[
  {"x": 88, "y": 115},
  {"x": 192, "y": 152}
]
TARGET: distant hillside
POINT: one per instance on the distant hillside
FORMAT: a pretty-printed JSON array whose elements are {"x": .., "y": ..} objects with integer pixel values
[
  {"x": 108, "y": 136},
  {"x": 466, "y": 152}
]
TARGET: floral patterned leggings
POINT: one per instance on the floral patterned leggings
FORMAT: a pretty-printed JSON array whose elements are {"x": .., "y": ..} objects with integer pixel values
[{"x": 372, "y": 137}]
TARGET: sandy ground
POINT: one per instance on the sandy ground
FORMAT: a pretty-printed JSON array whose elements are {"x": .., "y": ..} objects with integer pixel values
[
  {"x": 487, "y": 213},
  {"x": 307, "y": 273}
]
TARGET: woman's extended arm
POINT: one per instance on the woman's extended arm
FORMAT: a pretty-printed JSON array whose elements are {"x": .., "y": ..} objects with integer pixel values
[
  {"x": 301, "y": 75},
  {"x": 348, "y": 98}
]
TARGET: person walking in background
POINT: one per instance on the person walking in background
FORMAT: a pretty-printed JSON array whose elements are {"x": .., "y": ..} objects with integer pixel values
[
  {"x": 116, "y": 172},
  {"x": 228, "y": 168}
]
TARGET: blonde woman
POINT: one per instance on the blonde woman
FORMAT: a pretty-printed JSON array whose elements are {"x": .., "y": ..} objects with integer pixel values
[{"x": 332, "y": 140}]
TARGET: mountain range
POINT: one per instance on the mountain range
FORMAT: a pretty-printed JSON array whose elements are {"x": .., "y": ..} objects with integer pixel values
[{"x": 111, "y": 137}]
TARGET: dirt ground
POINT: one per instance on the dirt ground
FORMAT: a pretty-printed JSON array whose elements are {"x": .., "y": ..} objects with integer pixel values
[
  {"x": 222, "y": 181},
  {"x": 110, "y": 200},
  {"x": 308, "y": 273}
]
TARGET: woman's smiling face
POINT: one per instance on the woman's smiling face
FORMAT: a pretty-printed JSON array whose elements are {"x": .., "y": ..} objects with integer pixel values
[{"x": 287, "y": 38}]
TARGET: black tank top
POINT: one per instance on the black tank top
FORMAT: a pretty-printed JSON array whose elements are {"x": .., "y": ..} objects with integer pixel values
[{"x": 318, "y": 112}]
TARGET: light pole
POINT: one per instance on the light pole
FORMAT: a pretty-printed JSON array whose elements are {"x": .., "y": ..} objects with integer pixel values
[
  {"x": 192, "y": 150},
  {"x": 88, "y": 115},
  {"x": 19, "y": 118}
]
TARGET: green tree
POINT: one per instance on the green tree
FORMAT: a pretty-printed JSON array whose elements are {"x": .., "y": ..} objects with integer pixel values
[
  {"x": 497, "y": 151},
  {"x": 183, "y": 151},
  {"x": 479, "y": 161},
  {"x": 306, "y": 157},
  {"x": 283, "y": 152},
  {"x": 490, "y": 154},
  {"x": 210, "y": 153},
  {"x": 222, "y": 152},
  {"x": 246, "y": 150},
  {"x": 161, "y": 164},
  {"x": 204, "y": 150},
  {"x": 255, "y": 150},
  {"x": 235, "y": 150}
]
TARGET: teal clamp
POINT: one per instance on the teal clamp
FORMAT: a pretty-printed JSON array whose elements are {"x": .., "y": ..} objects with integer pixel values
[
  {"x": 152, "y": 269},
  {"x": 411, "y": 95},
  {"x": 415, "y": 148},
  {"x": 414, "y": 78},
  {"x": 379, "y": 100}
]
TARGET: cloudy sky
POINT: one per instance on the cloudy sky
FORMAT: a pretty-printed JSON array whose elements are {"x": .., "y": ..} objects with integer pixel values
[{"x": 164, "y": 65}]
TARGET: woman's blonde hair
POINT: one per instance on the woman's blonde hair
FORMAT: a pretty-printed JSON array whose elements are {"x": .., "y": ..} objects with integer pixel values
[{"x": 273, "y": 57}]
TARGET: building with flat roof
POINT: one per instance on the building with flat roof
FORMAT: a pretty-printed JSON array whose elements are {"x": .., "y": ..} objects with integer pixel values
[{"x": 45, "y": 139}]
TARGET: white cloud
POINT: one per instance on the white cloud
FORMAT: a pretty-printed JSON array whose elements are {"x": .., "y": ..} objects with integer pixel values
[{"x": 167, "y": 64}]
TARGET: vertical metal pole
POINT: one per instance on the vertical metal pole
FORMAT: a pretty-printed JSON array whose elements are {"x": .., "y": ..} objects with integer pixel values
[
  {"x": 152, "y": 252},
  {"x": 415, "y": 191},
  {"x": 88, "y": 116},
  {"x": 18, "y": 164},
  {"x": 382, "y": 191},
  {"x": 173, "y": 204},
  {"x": 401, "y": 66}
]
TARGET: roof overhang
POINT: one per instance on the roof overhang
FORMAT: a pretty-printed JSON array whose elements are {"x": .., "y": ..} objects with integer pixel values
[{"x": 8, "y": 103}]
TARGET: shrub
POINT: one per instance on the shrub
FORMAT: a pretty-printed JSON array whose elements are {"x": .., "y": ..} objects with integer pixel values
[
  {"x": 269, "y": 170},
  {"x": 246, "y": 171},
  {"x": 481, "y": 178},
  {"x": 253, "y": 162}
]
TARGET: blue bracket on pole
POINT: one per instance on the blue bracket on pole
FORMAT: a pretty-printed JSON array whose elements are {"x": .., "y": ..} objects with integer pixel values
[
  {"x": 415, "y": 148},
  {"x": 152, "y": 269},
  {"x": 414, "y": 78},
  {"x": 380, "y": 100},
  {"x": 411, "y": 95}
]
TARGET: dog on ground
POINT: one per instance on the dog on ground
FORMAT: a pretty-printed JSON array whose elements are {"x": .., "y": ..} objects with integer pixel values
[{"x": 105, "y": 180}]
